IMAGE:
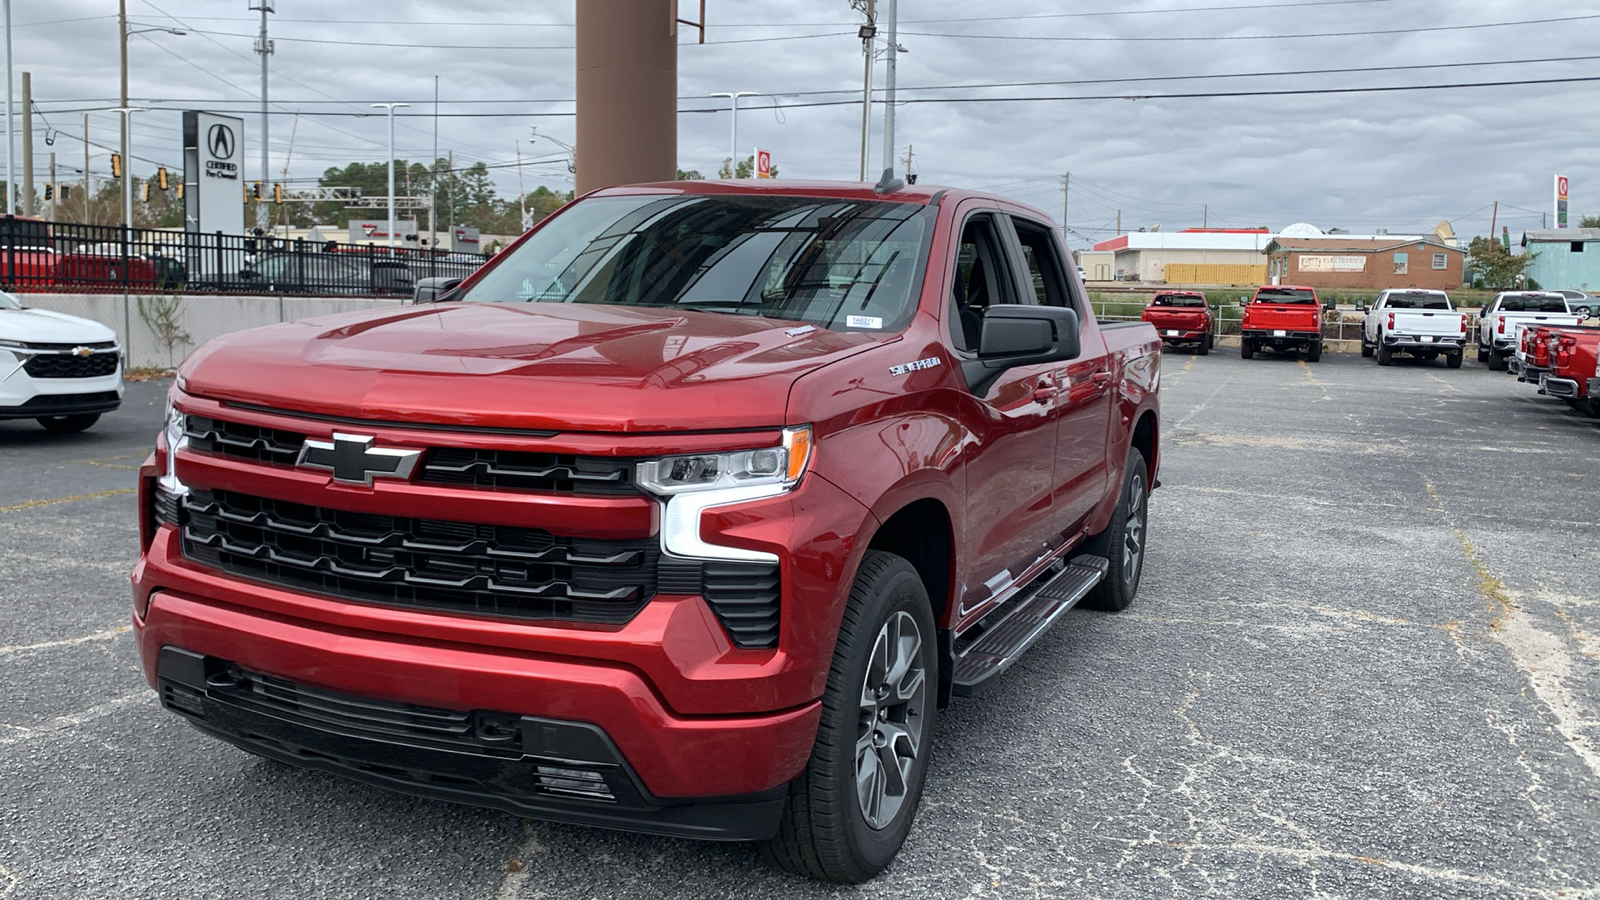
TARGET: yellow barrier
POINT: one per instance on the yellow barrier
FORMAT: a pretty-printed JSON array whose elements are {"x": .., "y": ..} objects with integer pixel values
[{"x": 1214, "y": 273}]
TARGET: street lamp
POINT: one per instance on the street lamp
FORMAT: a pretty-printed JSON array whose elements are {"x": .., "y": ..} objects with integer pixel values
[
  {"x": 391, "y": 107},
  {"x": 127, "y": 171},
  {"x": 733, "y": 158}
]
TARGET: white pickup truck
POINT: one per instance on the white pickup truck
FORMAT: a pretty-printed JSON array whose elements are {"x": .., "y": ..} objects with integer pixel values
[
  {"x": 1498, "y": 333},
  {"x": 1421, "y": 323}
]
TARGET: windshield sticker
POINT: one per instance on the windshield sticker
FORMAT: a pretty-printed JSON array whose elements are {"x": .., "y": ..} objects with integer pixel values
[
  {"x": 863, "y": 322},
  {"x": 917, "y": 366}
]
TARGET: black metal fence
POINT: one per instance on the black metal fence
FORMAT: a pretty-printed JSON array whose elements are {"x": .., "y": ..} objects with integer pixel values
[{"x": 62, "y": 257}]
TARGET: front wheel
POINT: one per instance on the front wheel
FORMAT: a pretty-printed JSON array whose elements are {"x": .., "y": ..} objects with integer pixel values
[
  {"x": 1123, "y": 541},
  {"x": 68, "y": 424},
  {"x": 850, "y": 810}
]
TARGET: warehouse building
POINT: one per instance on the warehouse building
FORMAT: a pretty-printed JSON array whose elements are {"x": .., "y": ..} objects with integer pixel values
[
  {"x": 1193, "y": 256},
  {"x": 1566, "y": 257},
  {"x": 1365, "y": 263}
]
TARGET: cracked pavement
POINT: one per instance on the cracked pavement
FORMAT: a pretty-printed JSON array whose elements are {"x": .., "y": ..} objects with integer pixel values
[{"x": 1363, "y": 663}]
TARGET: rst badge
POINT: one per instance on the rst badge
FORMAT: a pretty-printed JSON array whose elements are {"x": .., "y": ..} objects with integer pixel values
[{"x": 352, "y": 458}]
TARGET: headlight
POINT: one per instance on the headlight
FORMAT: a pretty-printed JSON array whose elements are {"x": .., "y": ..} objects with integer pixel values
[
  {"x": 13, "y": 345},
  {"x": 690, "y": 485},
  {"x": 173, "y": 433},
  {"x": 741, "y": 468}
]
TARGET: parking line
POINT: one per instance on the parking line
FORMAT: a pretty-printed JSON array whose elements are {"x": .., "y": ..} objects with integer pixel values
[
  {"x": 68, "y": 642},
  {"x": 33, "y": 504}
]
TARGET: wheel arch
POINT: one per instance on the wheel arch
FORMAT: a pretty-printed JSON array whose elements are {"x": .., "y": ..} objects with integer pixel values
[{"x": 923, "y": 534}]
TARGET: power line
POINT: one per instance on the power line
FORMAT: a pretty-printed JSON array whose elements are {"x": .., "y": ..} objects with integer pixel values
[
  {"x": 412, "y": 45},
  {"x": 1245, "y": 37}
]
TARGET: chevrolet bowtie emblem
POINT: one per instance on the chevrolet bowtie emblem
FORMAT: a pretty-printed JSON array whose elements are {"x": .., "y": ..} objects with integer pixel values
[
  {"x": 352, "y": 458},
  {"x": 82, "y": 351}
]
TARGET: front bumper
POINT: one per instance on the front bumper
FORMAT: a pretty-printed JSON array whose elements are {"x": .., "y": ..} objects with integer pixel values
[
  {"x": 1282, "y": 336},
  {"x": 23, "y": 396},
  {"x": 547, "y": 768}
]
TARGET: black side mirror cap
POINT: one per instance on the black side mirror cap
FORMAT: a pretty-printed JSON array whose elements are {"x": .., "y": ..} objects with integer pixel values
[
  {"x": 435, "y": 290},
  {"x": 1020, "y": 335},
  {"x": 1244, "y": 301},
  {"x": 1330, "y": 305}
]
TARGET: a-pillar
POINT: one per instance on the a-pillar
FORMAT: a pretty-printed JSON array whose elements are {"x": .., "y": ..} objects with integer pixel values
[{"x": 627, "y": 92}]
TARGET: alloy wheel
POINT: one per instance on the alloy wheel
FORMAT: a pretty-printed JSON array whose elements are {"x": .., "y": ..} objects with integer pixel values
[
  {"x": 894, "y": 698},
  {"x": 1133, "y": 529}
]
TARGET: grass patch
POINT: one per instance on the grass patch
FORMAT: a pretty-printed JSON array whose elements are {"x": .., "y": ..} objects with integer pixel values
[{"x": 146, "y": 373}]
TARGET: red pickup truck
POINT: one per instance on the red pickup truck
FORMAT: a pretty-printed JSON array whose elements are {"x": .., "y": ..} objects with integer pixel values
[
  {"x": 30, "y": 260},
  {"x": 683, "y": 515},
  {"x": 1181, "y": 317},
  {"x": 1284, "y": 319},
  {"x": 1571, "y": 353}
]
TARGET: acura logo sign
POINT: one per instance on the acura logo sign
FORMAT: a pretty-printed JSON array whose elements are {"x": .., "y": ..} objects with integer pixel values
[
  {"x": 352, "y": 458},
  {"x": 220, "y": 141}
]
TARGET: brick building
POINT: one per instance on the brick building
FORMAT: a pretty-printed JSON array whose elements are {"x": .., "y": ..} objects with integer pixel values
[{"x": 1365, "y": 263}]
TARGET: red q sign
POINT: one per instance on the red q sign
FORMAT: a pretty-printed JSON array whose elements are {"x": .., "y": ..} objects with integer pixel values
[{"x": 1561, "y": 186}]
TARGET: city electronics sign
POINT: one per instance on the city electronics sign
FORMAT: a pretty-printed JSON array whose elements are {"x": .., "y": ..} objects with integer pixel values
[
  {"x": 1332, "y": 264},
  {"x": 213, "y": 173},
  {"x": 1561, "y": 201}
]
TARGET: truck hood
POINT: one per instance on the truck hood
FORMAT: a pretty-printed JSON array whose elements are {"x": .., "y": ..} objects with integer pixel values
[
  {"x": 42, "y": 326},
  {"x": 534, "y": 366}
]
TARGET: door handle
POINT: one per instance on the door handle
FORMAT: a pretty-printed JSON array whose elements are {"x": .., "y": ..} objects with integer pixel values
[
  {"x": 1102, "y": 378},
  {"x": 1045, "y": 391}
]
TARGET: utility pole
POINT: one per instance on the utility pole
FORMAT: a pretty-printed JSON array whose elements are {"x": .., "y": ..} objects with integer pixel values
[
  {"x": 86, "y": 169},
  {"x": 1066, "y": 193},
  {"x": 263, "y": 47},
  {"x": 122, "y": 33},
  {"x": 433, "y": 166},
  {"x": 1119, "y": 223},
  {"x": 11, "y": 147},
  {"x": 1205, "y": 215},
  {"x": 868, "y": 32},
  {"x": 522, "y": 192},
  {"x": 29, "y": 206},
  {"x": 55, "y": 189},
  {"x": 450, "y": 172},
  {"x": 1493, "y": 217},
  {"x": 888, "y": 90}
]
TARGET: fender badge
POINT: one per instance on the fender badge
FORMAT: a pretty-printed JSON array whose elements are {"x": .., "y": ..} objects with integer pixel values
[
  {"x": 803, "y": 329},
  {"x": 917, "y": 366}
]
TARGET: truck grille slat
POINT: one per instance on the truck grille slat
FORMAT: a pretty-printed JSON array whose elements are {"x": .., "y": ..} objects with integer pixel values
[
  {"x": 499, "y": 570},
  {"x": 63, "y": 365}
]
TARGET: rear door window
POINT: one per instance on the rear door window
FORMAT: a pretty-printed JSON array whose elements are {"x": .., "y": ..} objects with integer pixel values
[{"x": 1047, "y": 272}]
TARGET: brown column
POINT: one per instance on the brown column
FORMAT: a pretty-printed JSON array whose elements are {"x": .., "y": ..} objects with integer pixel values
[{"x": 627, "y": 93}]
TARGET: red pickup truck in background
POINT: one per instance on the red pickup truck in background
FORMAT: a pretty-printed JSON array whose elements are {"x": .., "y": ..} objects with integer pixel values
[
  {"x": 684, "y": 515},
  {"x": 30, "y": 260},
  {"x": 1181, "y": 317},
  {"x": 1570, "y": 353},
  {"x": 1284, "y": 319}
]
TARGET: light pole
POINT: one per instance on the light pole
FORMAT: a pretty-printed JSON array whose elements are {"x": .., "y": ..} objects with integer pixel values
[
  {"x": 127, "y": 173},
  {"x": 263, "y": 47},
  {"x": 123, "y": 33},
  {"x": 391, "y": 107},
  {"x": 11, "y": 149},
  {"x": 733, "y": 158}
]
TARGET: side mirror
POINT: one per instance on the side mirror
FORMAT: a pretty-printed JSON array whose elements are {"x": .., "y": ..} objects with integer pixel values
[
  {"x": 434, "y": 290},
  {"x": 1330, "y": 305},
  {"x": 1244, "y": 301},
  {"x": 1017, "y": 335},
  {"x": 1216, "y": 308},
  {"x": 1361, "y": 306}
]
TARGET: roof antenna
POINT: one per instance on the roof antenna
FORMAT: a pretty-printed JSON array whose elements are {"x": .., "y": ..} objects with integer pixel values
[{"x": 888, "y": 184}]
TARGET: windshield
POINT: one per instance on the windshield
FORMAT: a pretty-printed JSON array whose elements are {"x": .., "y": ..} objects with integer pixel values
[
  {"x": 8, "y": 302},
  {"x": 1418, "y": 301},
  {"x": 1286, "y": 295},
  {"x": 1539, "y": 303},
  {"x": 838, "y": 264},
  {"x": 1179, "y": 300}
]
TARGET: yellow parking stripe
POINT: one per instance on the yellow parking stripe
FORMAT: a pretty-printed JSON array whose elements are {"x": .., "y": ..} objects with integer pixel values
[{"x": 32, "y": 504}]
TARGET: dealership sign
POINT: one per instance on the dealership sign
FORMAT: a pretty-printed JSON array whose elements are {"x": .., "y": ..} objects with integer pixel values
[
  {"x": 213, "y": 173},
  {"x": 1333, "y": 264},
  {"x": 1561, "y": 201}
]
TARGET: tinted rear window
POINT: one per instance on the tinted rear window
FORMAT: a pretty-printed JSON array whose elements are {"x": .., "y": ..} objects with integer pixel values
[
  {"x": 1555, "y": 304},
  {"x": 1419, "y": 301},
  {"x": 1178, "y": 300},
  {"x": 1285, "y": 295}
]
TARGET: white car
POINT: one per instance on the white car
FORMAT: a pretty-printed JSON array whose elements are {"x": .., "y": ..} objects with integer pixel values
[
  {"x": 59, "y": 369},
  {"x": 1499, "y": 321}
]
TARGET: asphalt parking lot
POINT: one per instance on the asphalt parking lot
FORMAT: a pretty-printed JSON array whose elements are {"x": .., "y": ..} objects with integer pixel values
[{"x": 1363, "y": 663}]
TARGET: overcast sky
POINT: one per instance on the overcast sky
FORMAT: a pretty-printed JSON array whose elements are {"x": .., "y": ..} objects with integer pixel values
[{"x": 1401, "y": 160}]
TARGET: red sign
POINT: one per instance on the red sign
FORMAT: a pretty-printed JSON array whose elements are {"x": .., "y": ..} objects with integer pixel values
[
  {"x": 1561, "y": 186},
  {"x": 763, "y": 164}
]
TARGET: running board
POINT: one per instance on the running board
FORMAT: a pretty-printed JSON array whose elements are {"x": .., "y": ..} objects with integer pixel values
[{"x": 1002, "y": 643}]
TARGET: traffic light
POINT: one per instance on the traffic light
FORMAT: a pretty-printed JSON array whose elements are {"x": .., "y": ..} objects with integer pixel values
[
  {"x": 180, "y": 190},
  {"x": 256, "y": 189},
  {"x": 144, "y": 192},
  {"x": 277, "y": 193},
  {"x": 161, "y": 177},
  {"x": 116, "y": 165},
  {"x": 49, "y": 191}
]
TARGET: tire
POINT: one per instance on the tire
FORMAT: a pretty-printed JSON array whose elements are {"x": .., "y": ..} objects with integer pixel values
[
  {"x": 1591, "y": 407},
  {"x": 1497, "y": 362},
  {"x": 1385, "y": 355},
  {"x": 68, "y": 424},
  {"x": 1123, "y": 541},
  {"x": 1366, "y": 349},
  {"x": 1205, "y": 346},
  {"x": 1247, "y": 348},
  {"x": 1314, "y": 352},
  {"x": 827, "y": 830},
  {"x": 1483, "y": 353},
  {"x": 1454, "y": 359}
]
